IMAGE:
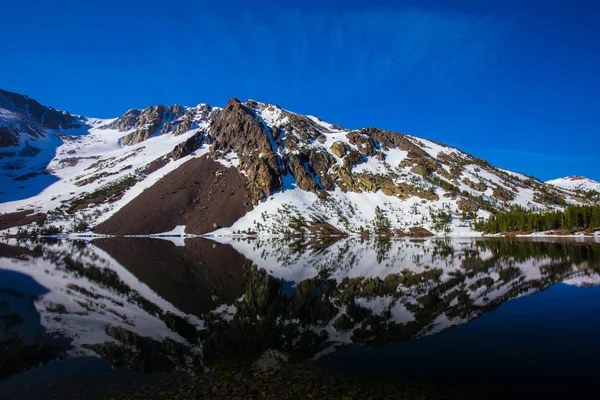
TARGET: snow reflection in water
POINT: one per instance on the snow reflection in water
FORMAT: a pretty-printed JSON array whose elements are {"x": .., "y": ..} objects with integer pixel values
[{"x": 150, "y": 305}]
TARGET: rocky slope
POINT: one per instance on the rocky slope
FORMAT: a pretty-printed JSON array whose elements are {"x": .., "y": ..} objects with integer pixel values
[{"x": 247, "y": 167}]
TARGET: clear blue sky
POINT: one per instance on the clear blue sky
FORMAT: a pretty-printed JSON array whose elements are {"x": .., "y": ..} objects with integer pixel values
[{"x": 514, "y": 82}]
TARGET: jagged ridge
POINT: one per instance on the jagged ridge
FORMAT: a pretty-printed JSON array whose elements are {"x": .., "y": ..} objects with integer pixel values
[{"x": 312, "y": 172}]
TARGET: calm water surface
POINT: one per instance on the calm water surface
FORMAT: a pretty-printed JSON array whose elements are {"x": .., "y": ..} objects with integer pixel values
[{"x": 460, "y": 318}]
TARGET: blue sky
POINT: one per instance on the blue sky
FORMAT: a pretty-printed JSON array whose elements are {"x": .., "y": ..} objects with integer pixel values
[{"x": 514, "y": 82}]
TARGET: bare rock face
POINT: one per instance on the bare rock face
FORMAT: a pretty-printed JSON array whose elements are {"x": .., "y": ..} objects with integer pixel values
[
  {"x": 188, "y": 147},
  {"x": 366, "y": 145},
  {"x": 184, "y": 126},
  {"x": 302, "y": 176},
  {"x": 158, "y": 120},
  {"x": 237, "y": 128},
  {"x": 392, "y": 140},
  {"x": 320, "y": 162},
  {"x": 305, "y": 127},
  {"x": 151, "y": 121},
  {"x": 125, "y": 122},
  {"x": 352, "y": 159},
  {"x": 340, "y": 149}
]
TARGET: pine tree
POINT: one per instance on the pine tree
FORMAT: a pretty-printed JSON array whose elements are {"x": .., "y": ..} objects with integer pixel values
[{"x": 381, "y": 224}]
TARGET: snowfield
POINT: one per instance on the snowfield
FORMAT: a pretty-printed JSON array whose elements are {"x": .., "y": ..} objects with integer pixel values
[{"x": 574, "y": 183}]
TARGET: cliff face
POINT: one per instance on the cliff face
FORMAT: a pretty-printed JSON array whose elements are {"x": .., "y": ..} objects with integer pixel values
[
  {"x": 20, "y": 116},
  {"x": 140, "y": 125}
]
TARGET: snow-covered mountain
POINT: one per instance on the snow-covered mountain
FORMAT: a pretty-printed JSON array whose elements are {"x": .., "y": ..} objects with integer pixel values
[
  {"x": 576, "y": 183},
  {"x": 247, "y": 167}
]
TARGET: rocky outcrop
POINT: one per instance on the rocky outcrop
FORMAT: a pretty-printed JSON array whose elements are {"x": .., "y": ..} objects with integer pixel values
[
  {"x": 303, "y": 126},
  {"x": 184, "y": 126},
  {"x": 151, "y": 121},
  {"x": 502, "y": 194},
  {"x": 366, "y": 145},
  {"x": 158, "y": 120},
  {"x": 303, "y": 178},
  {"x": 188, "y": 147},
  {"x": 468, "y": 205},
  {"x": 392, "y": 140},
  {"x": 352, "y": 159},
  {"x": 125, "y": 122},
  {"x": 479, "y": 186},
  {"x": 340, "y": 149},
  {"x": 237, "y": 128},
  {"x": 320, "y": 162}
]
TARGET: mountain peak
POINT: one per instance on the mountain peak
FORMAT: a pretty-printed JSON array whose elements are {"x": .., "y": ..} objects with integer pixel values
[
  {"x": 233, "y": 100},
  {"x": 575, "y": 182},
  {"x": 282, "y": 169}
]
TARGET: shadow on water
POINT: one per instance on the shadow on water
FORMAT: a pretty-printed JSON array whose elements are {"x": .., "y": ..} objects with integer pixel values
[
  {"x": 373, "y": 316},
  {"x": 24, "y": 341}
]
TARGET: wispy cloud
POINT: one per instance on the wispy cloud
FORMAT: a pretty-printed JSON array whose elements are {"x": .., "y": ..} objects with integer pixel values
[{"x": 411, "y": 49}]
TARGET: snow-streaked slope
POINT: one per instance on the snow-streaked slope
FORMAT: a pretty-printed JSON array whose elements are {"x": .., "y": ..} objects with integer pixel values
[
  {"x": 84, "y": 162},
  {"x": 412, "y": 181},
  {"x": 575, "y": 183}
]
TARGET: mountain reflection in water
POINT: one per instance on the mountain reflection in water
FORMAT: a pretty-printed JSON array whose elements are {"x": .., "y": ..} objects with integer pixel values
[{"x": 152, "y": 306}]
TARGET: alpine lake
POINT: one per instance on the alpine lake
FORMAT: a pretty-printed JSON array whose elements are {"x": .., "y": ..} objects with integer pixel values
[{"x": 299, "y": 318}]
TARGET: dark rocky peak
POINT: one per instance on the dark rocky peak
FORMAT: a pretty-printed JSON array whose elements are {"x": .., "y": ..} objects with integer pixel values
[
  {"x": 365, "y": 144},
  {"x": 237, "y": 128},
  {"x": 267, "y": 153},
  {"x": 233, "y": 102}
]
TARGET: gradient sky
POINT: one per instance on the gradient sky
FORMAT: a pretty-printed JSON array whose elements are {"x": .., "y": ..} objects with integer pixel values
[{"x": 514, "y": 82}]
